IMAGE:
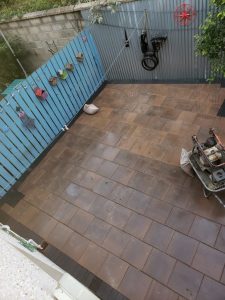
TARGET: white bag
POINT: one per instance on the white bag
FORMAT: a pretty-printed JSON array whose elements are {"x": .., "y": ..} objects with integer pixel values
[
  {"x": 90, "y": 109},
  {"x": 185, "y": 163}
]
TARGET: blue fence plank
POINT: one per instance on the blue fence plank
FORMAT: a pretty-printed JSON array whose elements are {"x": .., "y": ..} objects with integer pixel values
[
  {"x": 32, "y": 134},
  {"x": 7, "y": 181},
  {"x": 17, "y": 148},
  {"x": 75, "y": 78},
  {"x": 51, "y": 117},
  {"x": 57, "y": 93},
  {"x": 7, "y": 161},
  {"x": 55, "y": 103},
  {"x": 65, "y": 83},
  {"x": 82, "y": 66},
  {"x": 76, "y": 102},
  {"x": 21, "y": 146},
  {"x": 32, "y": 109},
  {"x": 53, "y": 68},
  {"x": 97, "y": 57},
  {"x": 11, "y": 118},
  {"x": 12, "y": 164},
  {"x": 91, "y": 66},
  {"x": 80, "y": 76}
]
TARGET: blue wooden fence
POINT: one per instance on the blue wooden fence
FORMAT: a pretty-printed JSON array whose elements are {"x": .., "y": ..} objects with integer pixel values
[{"x": 21, "y": 146}]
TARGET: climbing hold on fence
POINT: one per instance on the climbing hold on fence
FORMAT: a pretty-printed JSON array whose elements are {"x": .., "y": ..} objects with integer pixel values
[
  {"x": 53, "y": 81},
  {"x": 80, "y": 57},
  {"x": 41, "y": 94},
  {"x": 62, "y": 74},
  {"x": 69, "y": 67},
  {"x": 26, "y": 121}
]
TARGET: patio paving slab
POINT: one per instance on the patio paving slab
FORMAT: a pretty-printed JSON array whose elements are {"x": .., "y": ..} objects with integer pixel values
[{"x": 110, "y": 194}]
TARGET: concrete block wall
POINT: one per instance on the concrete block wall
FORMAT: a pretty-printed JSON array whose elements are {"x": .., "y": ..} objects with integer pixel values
[{"x": 34, "y": 29}]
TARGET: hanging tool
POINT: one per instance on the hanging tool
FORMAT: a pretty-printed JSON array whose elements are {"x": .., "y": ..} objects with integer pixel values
[
  {"x": 127, "y": 43},
  {"x": 150, "y": 60},
  {"x": 52, "y": 48}
]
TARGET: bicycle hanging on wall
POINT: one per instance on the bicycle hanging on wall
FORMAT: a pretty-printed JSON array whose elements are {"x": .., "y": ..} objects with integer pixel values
[{"x": 150, "y": 60}]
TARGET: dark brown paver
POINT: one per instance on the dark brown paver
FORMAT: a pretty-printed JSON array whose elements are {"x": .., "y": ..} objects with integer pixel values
[
  {"x": 71, "y": 192},
  {"x": 109, "y": 211},
  {"x": 158, "y": 210},
  {"x": 59, "y": 235},
  {"x": 180, "y": 220},
  {"x": 122, "y": 174},
  {"x": 210, "y": 289},
  {"x": 92, "y": 163},
  {"x": 135, "y": 284},
  {"x": 209, "y": 261},
  {"x": 89, "y": 179},
  {"x": 204, "y": 230},
  {"x": 135, "y": 139},
  {"x": 158, "y": 291},
  {"x": 159, "y": 266},
  {"x": 65, "y": 212},
  {"x": 185, "y": 281},
  {"x": 93, "y": 258},
  {"x": 107, "y": 168},
  {"x": 75, "y": 246},
  {"x": 97, "y": 231},
  {"x": 159, "y": 236},
  {"x": 43, "y": 224},
  {"x": 113, "y": 270},
  {"x": 85, "y": 199},
  {"x": 136, "y": 253},
  {"x": 116, "y": 241},
  {"x": 80, "y": 221},
  {"x": 182, "y": 247},
  {"x": 51, "y": 204},
  {"x": 220, "y": 242},
  {"x": 104, "y": 187},
  {"x": 177, "y": 196},
  {"x": 137, "y": 225}
]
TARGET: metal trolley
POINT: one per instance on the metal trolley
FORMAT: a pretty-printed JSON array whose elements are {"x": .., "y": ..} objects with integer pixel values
[{"x": 210, "y": 173}]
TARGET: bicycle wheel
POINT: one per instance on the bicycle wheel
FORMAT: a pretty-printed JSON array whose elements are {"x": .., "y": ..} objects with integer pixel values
[{"x": 149, "y": 62}]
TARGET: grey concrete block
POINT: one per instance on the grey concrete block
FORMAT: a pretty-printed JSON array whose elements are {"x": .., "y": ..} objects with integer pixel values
[
  {"x": 57, "y": 27},
  {"x": 13, "y": 24},
  {"x": 47, "y": 20},
  {"x": 4, "y": 26},
  {"x": 46, "y": 28},
  {"x": 35, "y": 21},
  {"x": 69, "y": 25},
  {"x": 34, "y": 30},
  {"x": 71, "y": 16},
  {"x": 59, "y": 17},
  {"x": 24, "y": 23},
  {"x": 67, "y": 33}
]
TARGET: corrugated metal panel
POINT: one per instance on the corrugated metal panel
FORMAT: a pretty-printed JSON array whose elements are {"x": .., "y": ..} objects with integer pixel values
[{"x": 177, "y": 59}]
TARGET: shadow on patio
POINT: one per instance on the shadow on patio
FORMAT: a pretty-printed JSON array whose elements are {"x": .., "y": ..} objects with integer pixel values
[{"x": 111, "y": 195}]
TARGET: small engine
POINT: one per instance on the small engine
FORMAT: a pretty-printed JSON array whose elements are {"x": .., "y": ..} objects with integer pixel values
[{"x": 210, "y": 156}]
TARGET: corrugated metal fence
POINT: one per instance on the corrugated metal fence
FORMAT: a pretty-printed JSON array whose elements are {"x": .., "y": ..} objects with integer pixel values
[
  {"x": 21, "y": 146},
  {"x": 177, "y": 60}
]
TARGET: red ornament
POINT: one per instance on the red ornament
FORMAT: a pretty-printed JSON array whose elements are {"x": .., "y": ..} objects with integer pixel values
[{"x": 184, "y": 14}]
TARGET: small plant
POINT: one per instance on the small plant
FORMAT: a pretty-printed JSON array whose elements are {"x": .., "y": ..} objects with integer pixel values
[
  {"x": 96, "y": 9},
  {"x": 210, "y": 42}
]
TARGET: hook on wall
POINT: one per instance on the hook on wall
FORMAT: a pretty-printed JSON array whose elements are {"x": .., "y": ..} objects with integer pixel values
[{"x": 7, "y": 102}]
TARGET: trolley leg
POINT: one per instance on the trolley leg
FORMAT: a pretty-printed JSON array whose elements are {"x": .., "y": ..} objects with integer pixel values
[
  {"x": 219, "y": 199},
  {"x": 206, "y": 193}
]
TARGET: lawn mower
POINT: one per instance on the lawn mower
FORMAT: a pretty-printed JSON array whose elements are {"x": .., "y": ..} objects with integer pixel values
[{"x": 208, "y": 162}]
